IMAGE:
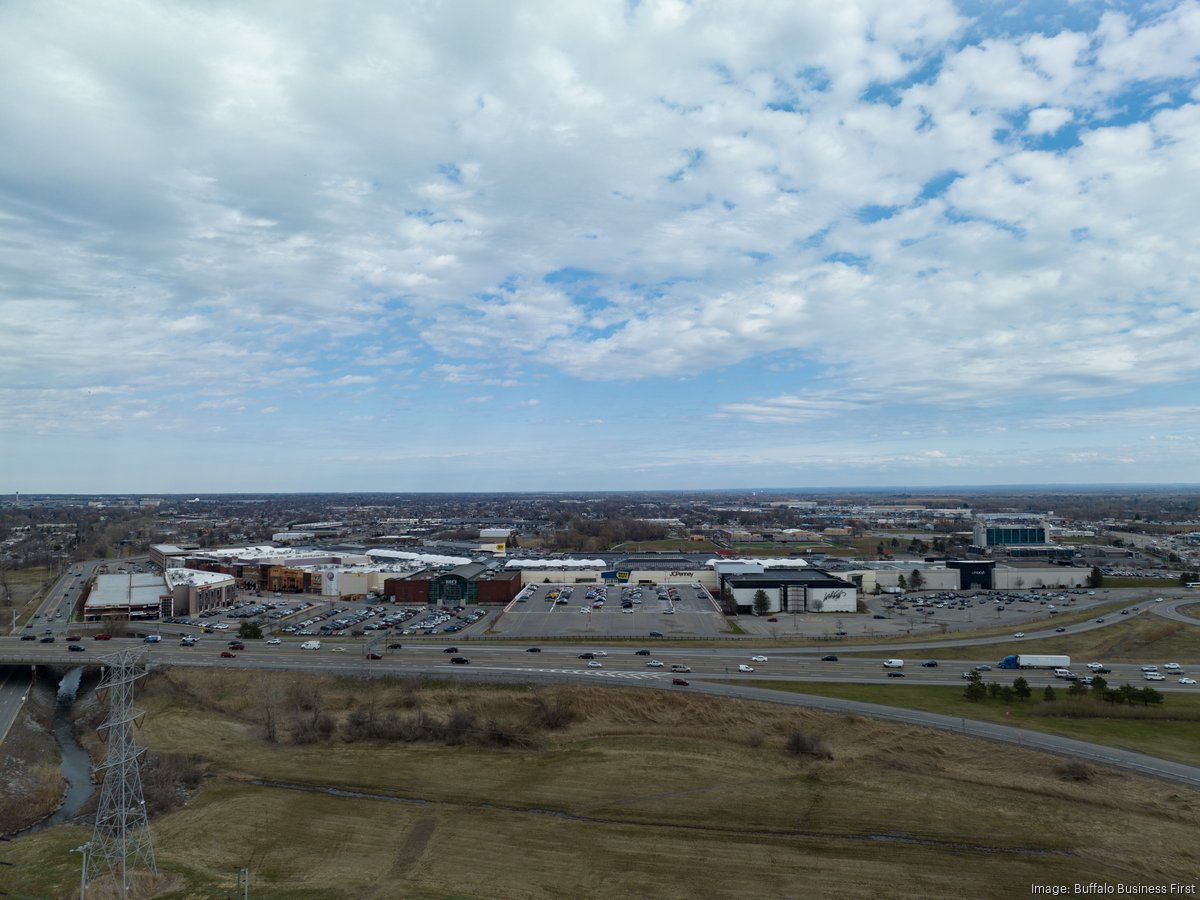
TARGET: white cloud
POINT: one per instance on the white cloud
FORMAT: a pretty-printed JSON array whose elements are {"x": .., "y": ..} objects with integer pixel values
[{"x": 560, "y": 197}]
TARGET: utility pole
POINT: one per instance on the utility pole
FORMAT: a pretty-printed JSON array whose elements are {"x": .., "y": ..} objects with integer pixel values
[{"x": 83, "y": 849}]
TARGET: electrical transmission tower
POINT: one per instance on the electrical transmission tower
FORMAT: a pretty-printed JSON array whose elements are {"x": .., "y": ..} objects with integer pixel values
[{"x": 121, "y": 838}]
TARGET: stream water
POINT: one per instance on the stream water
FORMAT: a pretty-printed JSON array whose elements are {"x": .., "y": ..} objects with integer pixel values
[{"x": 76, "y": 764}]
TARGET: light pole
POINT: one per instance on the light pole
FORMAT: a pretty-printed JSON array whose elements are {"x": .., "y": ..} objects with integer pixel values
[{"x": 83, "y": 849}]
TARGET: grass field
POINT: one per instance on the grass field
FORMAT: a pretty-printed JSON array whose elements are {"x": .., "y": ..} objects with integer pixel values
[
  {"x": 669, "y": 545},
  {"x": 26, "y": 586},
  {"x": 628, "y": 793},
  {"x": 1170, "y": 738}
]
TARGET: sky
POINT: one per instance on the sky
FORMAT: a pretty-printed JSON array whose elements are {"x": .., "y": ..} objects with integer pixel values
[{"x": 604, "y": 245}]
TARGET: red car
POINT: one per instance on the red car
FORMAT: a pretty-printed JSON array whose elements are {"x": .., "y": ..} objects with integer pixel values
[
  {"x": 680, "y": 681},
  {"x": 225, "y": 654},
  {"x": 74, "y": 637},
  {"x": 374, "y": 656},
  {"x": 102, "y": 637}
]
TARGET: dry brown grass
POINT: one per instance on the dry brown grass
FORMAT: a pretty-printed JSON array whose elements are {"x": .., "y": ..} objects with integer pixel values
[
  {"x": 31, "y": 785},
  {"x": 630, "y": 793}
]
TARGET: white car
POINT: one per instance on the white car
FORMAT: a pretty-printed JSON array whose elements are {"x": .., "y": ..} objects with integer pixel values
[
  {"x": 1173, "y": 667},
  {"x": 595, "y": 664},
  {"x": 338, "y": 649},
  {"x": 599, "y": 653},
  {"x": 1187, "y": 680},
  {"x": 1095, "y": 665},
  {"x": 745, "y": 668},
  {"x": 1019, "y": 634},
  {"x": 274, "y": 641},
  {"x": 1149, "y": 668},
  {"x": 655, "y": 664},
  {"x": 1155, "y": 676},
  {"x": 758, "y": 659}
]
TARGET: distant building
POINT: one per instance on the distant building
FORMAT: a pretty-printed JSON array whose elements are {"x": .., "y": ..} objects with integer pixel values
[{"x": 1009, "y": 534}]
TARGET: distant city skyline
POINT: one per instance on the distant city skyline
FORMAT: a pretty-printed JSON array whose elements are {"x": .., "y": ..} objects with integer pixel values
[{"x": 613, "y": 246}]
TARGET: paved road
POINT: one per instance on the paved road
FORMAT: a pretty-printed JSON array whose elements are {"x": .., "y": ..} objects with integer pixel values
[{"x": 622, "y": 667}]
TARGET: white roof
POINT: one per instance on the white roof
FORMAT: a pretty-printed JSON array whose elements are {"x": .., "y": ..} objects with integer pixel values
[
  {"x": 195, "y": 576},
  {"x": 430, "y": 559},
  {"x": 556, "y": 564},
  {"x": 785, "y": 562},
  {"x": 126, "y": 590}
]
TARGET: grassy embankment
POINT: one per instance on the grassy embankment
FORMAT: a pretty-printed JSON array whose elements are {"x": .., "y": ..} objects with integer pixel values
[
  {"x": 28, "y": 586},
  {"x": 602, "y": 793},
  {"x": 1172, "y": 732}
]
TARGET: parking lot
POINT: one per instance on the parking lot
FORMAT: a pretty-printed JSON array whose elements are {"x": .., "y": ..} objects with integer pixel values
[{"x": 583, "y": 610}]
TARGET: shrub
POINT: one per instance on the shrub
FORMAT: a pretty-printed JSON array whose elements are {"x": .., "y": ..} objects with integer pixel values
[{"x": 801, "y": 744}]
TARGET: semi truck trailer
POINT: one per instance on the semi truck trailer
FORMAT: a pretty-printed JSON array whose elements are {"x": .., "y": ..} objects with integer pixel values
[{"x": 1034, "y": 661}]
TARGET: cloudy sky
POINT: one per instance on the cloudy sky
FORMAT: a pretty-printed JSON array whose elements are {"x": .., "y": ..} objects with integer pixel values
[{"x": 597, "y": 245}]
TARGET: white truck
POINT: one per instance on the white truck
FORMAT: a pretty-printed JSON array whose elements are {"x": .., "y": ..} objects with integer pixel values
[
  {"x": 893, "y": 664},
  {"x": 311, "y": 645}
]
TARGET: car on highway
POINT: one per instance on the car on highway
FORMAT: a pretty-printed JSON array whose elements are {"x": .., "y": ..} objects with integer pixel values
[
  {"x": 75, "y": 637},
  {"x": 830, "y": 658},
  {"x": 1019, "y": 634},
  {"x": 394, "y": 646},
  {"x": 682, "y": 682},
  {"x": 237, "y": 645},
  {"x": 450, "y": 650},
  {"x": 29, "y": 637},
  {"x": 274, "y": 642},
  {"x": 1095, "y": 665},
  {"x": 895, "y": 674},
  {"x": 337, "y": 649},
  {"x": 599, "y": 653},
  {"x": 225, "y": 654},
  {"x": 595, "y": 664},
  {"x": 1099, "y": 621},
  {"x": 1059, "y": 630},
  {"x": 1170, "y": 667},
  {"x": 1149, "y": 668},
  {"x": 1187, "y": 680},
  {"x": 758, "y": 659},
  {"x": 654, "y": 664},
  {"x": 48, "y": 639},
  {"x": 587, "y": 656},
  {"x": 77, "y": 648},
  {"x": 929, "y": 664},
  {"x": 968, "y": 675},
  {"x": 745, "y": 668},
  {"x": 374, "y": 656},
  {"x": 983, "y": 667},
  {"x": 656, "y": 634},
  {"x": 1154, "y": 676},
  {"x": 641, "y": 652},
  {"x": 459, "y": 660}
]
